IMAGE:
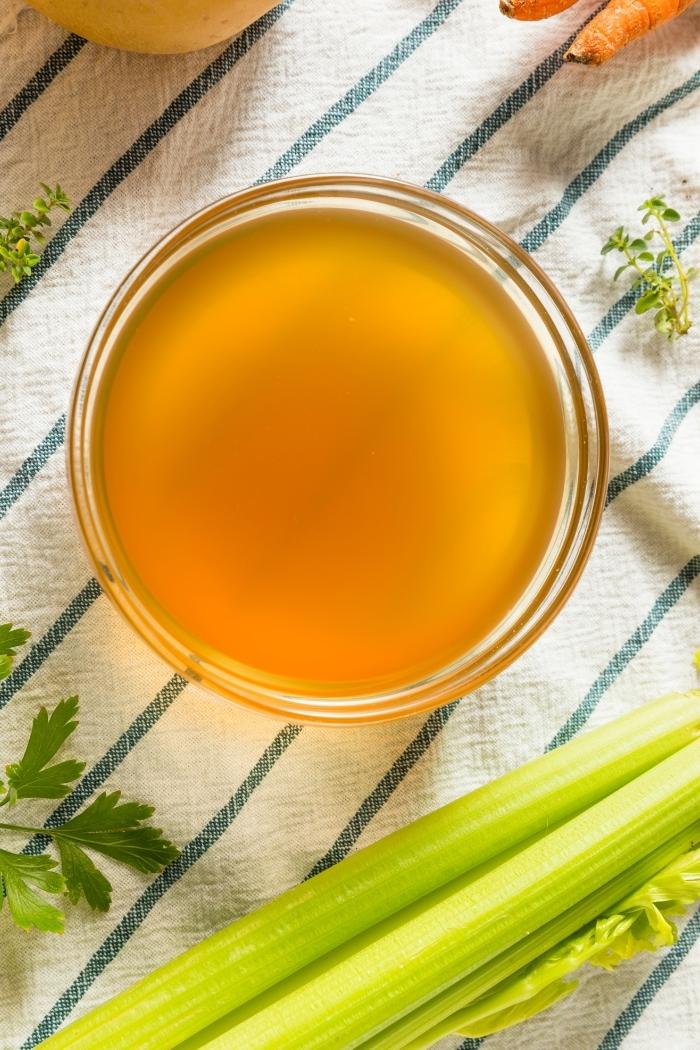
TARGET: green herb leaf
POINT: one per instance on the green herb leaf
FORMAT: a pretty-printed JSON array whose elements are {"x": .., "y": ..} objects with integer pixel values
[
  {"x": 20, "y": 877},
  {"x": 32, "y": 777},
  {"x": 83, "y": 879},
  {"x": 10, "y": 638},
  {"x": 116, "y": 829},
  {"x": 20, "y": 227},
  {"x": 661, "y": 279},
  {"x": 647, "y": 301}
]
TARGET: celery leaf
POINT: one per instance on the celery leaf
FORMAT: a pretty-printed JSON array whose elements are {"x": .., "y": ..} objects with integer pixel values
[{"x": 638, "y": 923}]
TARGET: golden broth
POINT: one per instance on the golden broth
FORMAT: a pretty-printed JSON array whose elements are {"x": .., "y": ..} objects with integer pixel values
[{"x": 331, "y": 449}]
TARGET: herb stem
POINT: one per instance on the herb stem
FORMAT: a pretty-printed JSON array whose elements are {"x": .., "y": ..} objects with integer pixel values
[
  {"x": 683, "y": 316},
  {"x": 665, "y": 291},
  {"x": 23, "y": 830}
]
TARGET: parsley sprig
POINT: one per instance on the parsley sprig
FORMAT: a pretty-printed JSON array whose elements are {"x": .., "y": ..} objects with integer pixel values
[
  {"x": 18, "y": 254},
  {"x": 107, "y": 826},
  {"x": 660, "y": 276},
  {"x": 11, "y": 638}
]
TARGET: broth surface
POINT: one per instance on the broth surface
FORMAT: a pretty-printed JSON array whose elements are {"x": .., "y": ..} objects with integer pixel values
[{"x": 331, "y": 449}]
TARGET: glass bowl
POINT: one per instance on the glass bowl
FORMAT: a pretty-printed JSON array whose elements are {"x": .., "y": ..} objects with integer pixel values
[{"x": 583, "y": 413}]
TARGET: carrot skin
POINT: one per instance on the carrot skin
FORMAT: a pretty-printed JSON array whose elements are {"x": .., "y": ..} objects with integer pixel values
[
  {"x": 533, "y": 10},
  {"x": 618, "y": 24}
]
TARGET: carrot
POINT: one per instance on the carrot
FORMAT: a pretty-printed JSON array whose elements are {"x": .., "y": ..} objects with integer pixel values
[
  {"x": 532, "y": 10},
  {"x": 618, "y": 24}
]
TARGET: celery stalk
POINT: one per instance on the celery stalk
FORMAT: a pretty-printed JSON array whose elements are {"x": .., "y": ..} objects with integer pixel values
[
  {"x": 256, "y": 952},
  {"x": 374, "y": 986},
  {"x": 476, "y": 985},
  {"x": 439, "y": 1016},
  {"x": 638, "y": 923}
]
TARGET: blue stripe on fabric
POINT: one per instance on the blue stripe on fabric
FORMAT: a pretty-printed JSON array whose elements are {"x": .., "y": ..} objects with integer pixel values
[
  {"x": 34, "y": 88},
  {"x": 502, "y": 114},
  {"x": 385, "y": 788},
  {"x": 359, "y": 92},
  {"x": 585, "y": 178},
  {"x": 114, "y": 755},
  {"x": 34, "y": 462},
  {"x": 137, "y": 913},
  {"x": 663, "y": 604},
  {"x": 653, "y": 984},
  {"x": 653, "y": 456},
  {"x": 624, "y": 304},
  {"x": 39, "y": 652},
  {"x": 139, "y": 150}
]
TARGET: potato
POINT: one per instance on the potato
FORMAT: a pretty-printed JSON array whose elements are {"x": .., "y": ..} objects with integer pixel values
[{"x": 154, "y": 25}]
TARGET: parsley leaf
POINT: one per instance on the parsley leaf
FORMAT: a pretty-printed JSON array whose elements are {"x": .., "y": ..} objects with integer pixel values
[
  {"x": 116, "y": 830},
  {"x": 32, "y": 777},
  {"x": 19, "y": 873},
  {"x": 10, "y": 638},
  {"x": 82, "y": 877},
  {"x": 108, "y": 826}
]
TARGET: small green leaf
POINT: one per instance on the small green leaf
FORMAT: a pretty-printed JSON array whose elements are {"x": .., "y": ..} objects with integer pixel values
[
  {"x": 20, "y": 877},
  {"x": 10, "y": 637},
  {"x": 32, "y": 777},
  {"x": 16, "y": 229},
  {"x": 638, "y": 245},
  {"x": 646, "y": 256},
  {"x": 647, "y": 301},
  {"x": 620, "y": 270},
  {"x": 83, "y": 879},
  {"x": 671, "y": 215}
]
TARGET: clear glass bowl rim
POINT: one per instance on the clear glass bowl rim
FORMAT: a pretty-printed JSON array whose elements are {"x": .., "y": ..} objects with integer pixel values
[{"x": 471, "y": 670}]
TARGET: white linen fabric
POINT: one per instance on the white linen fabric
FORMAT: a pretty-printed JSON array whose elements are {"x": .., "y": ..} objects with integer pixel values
[{"x": 448, "y": 94}]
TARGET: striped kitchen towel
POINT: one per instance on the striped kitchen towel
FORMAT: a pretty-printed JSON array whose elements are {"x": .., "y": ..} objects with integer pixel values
[{"x": 450, "y": 95}]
